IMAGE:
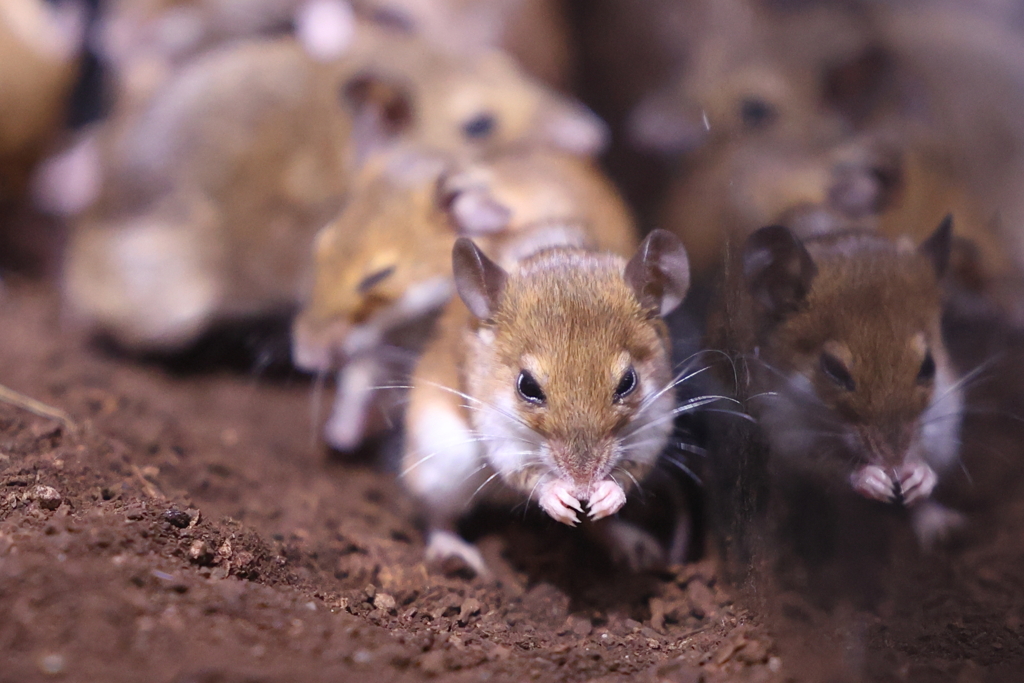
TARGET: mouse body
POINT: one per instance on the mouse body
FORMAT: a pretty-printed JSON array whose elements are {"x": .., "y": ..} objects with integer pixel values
[
  {"x": 548, "y": 379},
  {"x": 382, "y": 267},
  {"x": 210, "y": 194},
  {"x": 895, "y": 184},
  {"x": 840, "y": 356}
]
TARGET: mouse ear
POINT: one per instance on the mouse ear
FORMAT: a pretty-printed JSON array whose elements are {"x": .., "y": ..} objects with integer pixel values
[
  {"x": 939, "y": 246},
  {"x": 659, "y": 272},
  {"x": 479, "y": 280},
  {"x": 472, "y": 208},
  {"x": 382, "y": 109},
  {"x": 778, "y": 269}
]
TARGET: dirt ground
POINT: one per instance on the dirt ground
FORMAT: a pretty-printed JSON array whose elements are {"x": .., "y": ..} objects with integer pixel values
[{"x": 190, "y": 528}]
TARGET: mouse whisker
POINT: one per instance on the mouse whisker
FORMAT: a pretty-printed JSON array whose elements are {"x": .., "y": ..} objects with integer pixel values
[
  {"x": 480, "y": 488},
  {"x": 476, "y": 438},
  {"x": 966, "y": 380},
  {"x": 486, "y": 404},
  {"x": 529, "y": 498},
  {"x": 723, "y": 354},
  {"x": 636, "y": 484},
  {"x": 681, "y": 378},
  {"x": 688, "y": 406},
  {"x": 743, "y": 416},
  {"x": 682, "y": 468},
  {"x": 689, "y": 448}
]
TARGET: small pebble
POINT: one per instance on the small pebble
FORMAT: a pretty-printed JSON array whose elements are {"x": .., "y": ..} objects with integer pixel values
[
  {"x": 47, "y": 497},
  {"x": 384, "y": 602},
  {"x": 52, "y": 664},
  {"x": 177, "y": 518}
]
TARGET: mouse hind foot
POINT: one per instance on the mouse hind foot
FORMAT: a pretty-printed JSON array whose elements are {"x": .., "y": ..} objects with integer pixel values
[
  {"x": 934, "y": 523},
  {"x": 448, "y": 549}
]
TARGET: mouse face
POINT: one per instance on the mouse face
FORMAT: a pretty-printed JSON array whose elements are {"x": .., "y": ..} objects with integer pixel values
[
  {"x": 569, "y": 365},
  {"x": 761, "y": 72},
  {"x": 382, "y": 262},
  {"x": 856, "y": 357}
]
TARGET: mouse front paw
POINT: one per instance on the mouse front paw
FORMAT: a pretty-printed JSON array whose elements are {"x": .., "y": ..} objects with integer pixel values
[
  {"x": 917, "y": 481},
  {"x": 872, "y": 482},
  {"x": 557, "y": 500},
  {"x": 607, "y": 499}
]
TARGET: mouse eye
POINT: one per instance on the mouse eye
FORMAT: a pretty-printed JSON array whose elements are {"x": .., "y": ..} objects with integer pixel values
[
  {"x": 756, "y": 113},
  {"x": 529, "y": 390},
  {"x": 374, "y": 279},
  {"x": 836, "y": 371},
  {"x": 480, "y": 126},
  {"x": 927, "y": 372},
  {"x": 626, "y": 385}
]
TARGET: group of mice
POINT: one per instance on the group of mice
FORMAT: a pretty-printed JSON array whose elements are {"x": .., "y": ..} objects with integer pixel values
[{"x": 406, "y": 174}]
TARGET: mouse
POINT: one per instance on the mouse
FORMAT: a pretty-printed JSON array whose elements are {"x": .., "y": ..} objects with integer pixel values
[
  {"x": 841, "y": 359},
  {"x": 549, "y": 379},
  {"x": 382, "y": 267},
  {"x": 175, "y": 216}
]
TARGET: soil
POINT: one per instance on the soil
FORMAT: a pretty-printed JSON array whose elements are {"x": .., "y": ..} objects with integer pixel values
[{"x": 191, "y": 528}]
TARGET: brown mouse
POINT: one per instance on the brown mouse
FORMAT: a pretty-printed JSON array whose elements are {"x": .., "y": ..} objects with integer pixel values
[
  {"x": 842, "y": 360},
  {"x": 383, "y": 265},
  {"x": 549, "y": 379}
]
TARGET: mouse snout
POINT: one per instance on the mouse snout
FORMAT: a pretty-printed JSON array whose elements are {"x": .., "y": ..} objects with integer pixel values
[
  {"x": 886, "y": 446},
  {"x": 317, "y": 348},
  {"x": 582, "y": 461}
]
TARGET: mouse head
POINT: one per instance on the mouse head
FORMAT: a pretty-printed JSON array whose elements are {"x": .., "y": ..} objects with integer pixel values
[
  {"x": 850, "y": 338},
  {"x": 382, "y": 262},
  {"x": 763, "y": 72},
  {"x": 459, "y": 104},
  {"x": 570, "y": 361}
]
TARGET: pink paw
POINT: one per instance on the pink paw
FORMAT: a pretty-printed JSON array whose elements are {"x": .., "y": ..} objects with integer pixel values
[
  {"x": 607, "y": 499},
  {"x": 557, "y": 500},
  {"x": 872, "y": 482},
  {"x": 917, "y": 481}
]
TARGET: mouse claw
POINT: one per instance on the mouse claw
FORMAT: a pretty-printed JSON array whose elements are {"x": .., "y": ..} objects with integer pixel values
[
  {"x": 872, "y": 482},
  {"x": 608, "y": 499},
  {"x": 917, "y": 482},
  {"x": 557, "y": 500}
]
